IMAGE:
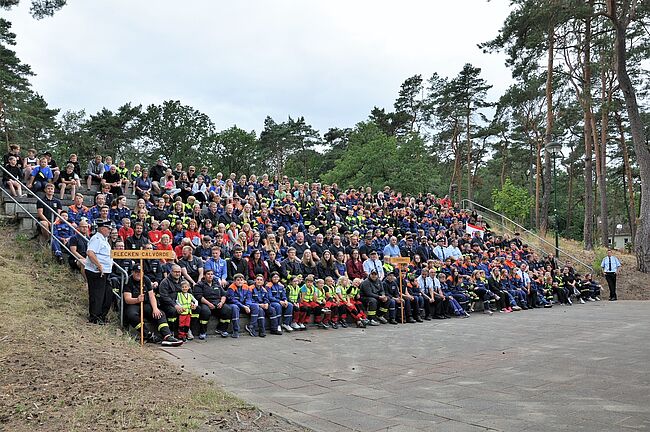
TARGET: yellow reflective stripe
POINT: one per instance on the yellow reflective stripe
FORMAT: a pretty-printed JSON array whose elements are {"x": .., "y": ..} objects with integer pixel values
[
  {"x": 137, "y": 327},
  {"x": 371, "y": 313},
  {"x": 163, "y": 325},
  {"x": 224, "y": 320},
  {"x": 203, "y": 322},
  {"x": 383, "y": 310},
  {"x": 195, "y": 315},
  {"x": 171, "y": 319}
]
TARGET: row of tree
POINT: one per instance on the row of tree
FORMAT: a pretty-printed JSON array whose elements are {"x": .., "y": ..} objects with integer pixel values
[{"x": 578, "y": 69}]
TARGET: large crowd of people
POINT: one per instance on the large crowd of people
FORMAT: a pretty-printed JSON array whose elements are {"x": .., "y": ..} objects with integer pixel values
[{"x": 288, "y": 255}]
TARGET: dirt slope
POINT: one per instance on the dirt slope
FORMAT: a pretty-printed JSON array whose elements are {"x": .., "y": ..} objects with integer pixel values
[{"x": 58, "y": 373}]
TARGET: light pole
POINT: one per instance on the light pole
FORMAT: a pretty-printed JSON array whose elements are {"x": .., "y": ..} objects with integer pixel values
[{"x": 555, "y": 150}]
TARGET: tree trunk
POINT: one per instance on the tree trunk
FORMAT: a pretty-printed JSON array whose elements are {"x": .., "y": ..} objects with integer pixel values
[
  {"x": 469, "y": 154},
  {"x": 630, "y": 201},
  {"x": 588, "y": 136},
  {"x": 569, "y": 210},
  {"x": 548, "y": 137},
  {"x": 3, "y": 123},
  {"x": 642, "y": 239},
  {"x": 601, "y": 155}
]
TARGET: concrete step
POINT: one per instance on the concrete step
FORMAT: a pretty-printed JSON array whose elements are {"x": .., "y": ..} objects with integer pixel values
[{"x": 12, "y": 209}]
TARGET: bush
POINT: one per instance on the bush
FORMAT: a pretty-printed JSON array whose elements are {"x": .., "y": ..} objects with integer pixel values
[{"x": 599, "y": 254}]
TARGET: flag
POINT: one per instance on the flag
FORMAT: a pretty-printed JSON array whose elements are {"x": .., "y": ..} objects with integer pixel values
[{"x": 471, "y": 229}]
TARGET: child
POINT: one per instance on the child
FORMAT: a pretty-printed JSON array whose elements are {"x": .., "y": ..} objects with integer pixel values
[
  {"x": 308, "y": 301},
  {"x": 345, "y": 294},
  {"x": 322, "y": 314},
  {"x": 332, "y": 302},
  {"x": 279, "y": 302},
  {"x": 293, "y": 296},
  {"x": 126, "y": 230},
  {"x": 155, "y": 234},
  {"x": 186, "y": 300}
]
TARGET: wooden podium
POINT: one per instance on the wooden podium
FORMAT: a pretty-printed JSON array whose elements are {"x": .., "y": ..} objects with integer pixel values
[
  {"x": 142, "y": 254},
  {"x": 400, "y": 262}
]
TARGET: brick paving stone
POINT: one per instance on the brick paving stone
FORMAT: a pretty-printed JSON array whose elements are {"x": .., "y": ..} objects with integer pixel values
[{"x": 580, "y": 368}]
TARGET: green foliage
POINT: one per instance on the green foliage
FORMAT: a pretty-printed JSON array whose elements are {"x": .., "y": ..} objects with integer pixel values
[
  {"x": 39, "y": 8},
  {"x": 599, "y": 254},
  {"x": 176, "y": 132},
  {"x": 234, "y": 151},
  {"x": 370, "y": 159},
  {"x": 116, "y": 133},
  {"x": 279, "y": 141},
  {"x": 513, "y": 201}
]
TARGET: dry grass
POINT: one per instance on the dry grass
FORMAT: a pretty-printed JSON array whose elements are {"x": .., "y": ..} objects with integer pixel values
[{"x": 59, "y": 373}]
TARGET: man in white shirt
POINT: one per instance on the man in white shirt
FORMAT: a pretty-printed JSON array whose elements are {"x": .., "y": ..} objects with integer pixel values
[
  {"x": 374, "y": 263},
  {"x": 99, "y": 265},
  {"x": 610, "y": 266}
]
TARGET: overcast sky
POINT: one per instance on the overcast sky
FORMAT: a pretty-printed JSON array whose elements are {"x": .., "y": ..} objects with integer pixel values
[{"x": 239, "y": 61}]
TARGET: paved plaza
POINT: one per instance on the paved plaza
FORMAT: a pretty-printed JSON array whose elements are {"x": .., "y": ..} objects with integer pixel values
[{"x": 580, "y": 368}]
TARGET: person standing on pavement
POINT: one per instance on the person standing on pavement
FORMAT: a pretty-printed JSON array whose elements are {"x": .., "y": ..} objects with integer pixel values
[
  {"x": 610, "y": 266},
  {"x": 98, "y": 267}
]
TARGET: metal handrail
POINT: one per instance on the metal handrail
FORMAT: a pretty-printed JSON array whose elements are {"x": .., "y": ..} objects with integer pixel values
[
  {"x": 524, "y": 229},
  {"x": 125, "y": 275}
]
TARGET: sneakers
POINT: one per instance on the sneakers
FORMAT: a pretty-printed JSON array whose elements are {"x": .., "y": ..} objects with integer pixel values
[
  {"x": 392, "y": 321},
  {"x": 360, "y": 324},
  {"x": 325, "y": 310},
  {"x": 323, "y": 325},
  {"x": 597, "y": 298},
  {"x": 410, "y": 320},
  {"x": 515, "y": 308},
  {"x": 374, "y": 323},
  {"x": 203, "y": 336},
  {"x": 548, "y": 305},
  {"x": 295, "y": 326},
  {"x": 569, "y": 302},
  {"x": 487, "y": 312},
  {"x": 335, "y": 325},
  {"x": 171, "y": 341},
  {"x": 344, "y": 324},
  {"x": 287, "y": 327},
  {"x": 190, "y": 336},
  {"x": 251, "y": 331},
  {"x": 276, "y": 332},
  {"x": 418, "y": 319},
  {"x": 302, "y": 326},
  {"x": 234, "y": 335},
  {"x": 152, "y": 337},
  {"x": 262, "y": 333},
  {"x": 582, "y": 301},
  {"x": 590, "y": 299},
  {"x": 224, "y": 334},
  {"x": 383, "y": 320}
]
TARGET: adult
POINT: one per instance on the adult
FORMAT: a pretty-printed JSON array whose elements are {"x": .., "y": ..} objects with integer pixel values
[
  {"x": 113, "y": 179},
  {"x": 46, "y": 210},
  {"x": 211, "y": 296},
  {"x": 98, "y": 266},
  {"x": 610, "y": 266},
  {"x": 168, "y": 291},
  {"x": 375, "y": 300},
  {"x": 132, "y": 300},
  {"x": 94, "y": 171},
  {"x": 373, "y": 263},
  {"x": 78, "y": 246}
]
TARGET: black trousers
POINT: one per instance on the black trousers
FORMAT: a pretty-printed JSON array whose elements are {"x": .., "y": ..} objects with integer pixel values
[
  {"x": 610, "y": 277},
  {"x": 132, "y": 315},
  {"x": 100, "y": 296}
]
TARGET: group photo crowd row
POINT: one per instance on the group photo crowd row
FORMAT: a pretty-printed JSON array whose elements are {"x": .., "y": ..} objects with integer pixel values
[{"x": 288, "y": 255}]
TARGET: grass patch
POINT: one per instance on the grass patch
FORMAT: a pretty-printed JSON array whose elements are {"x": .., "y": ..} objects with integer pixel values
[{"x": 61, "y": 374}]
